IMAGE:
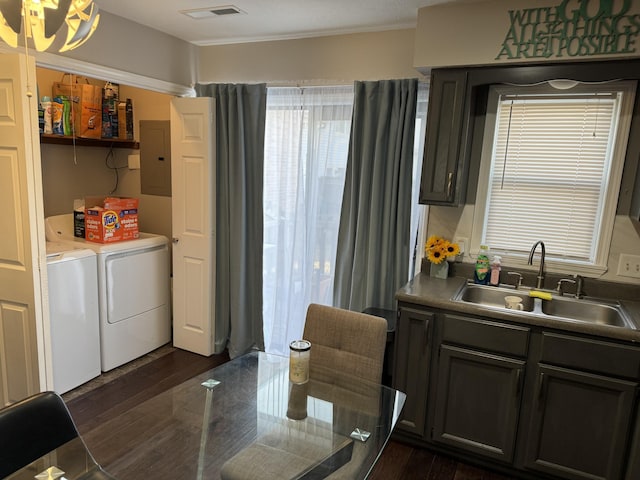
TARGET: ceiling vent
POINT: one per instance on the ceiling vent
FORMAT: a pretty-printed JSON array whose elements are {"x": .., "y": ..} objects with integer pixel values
[{"x": 201, "y": 13}]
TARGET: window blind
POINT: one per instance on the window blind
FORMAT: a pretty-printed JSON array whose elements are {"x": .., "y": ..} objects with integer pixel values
[{"x": 550, "y": 167}]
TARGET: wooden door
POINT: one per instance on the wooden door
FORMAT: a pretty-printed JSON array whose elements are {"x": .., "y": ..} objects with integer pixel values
[
  {"x": 193, "y": 174},
  {"x": 22, "y": 258}
]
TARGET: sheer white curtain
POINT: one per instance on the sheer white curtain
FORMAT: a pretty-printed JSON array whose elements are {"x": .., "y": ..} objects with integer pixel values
[
  {"x": 419, "y": 213},
  {"x": 306, "y": 145}
]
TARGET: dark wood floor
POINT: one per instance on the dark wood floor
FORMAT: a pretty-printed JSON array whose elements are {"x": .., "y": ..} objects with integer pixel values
[{"x": 398, "y": 461}]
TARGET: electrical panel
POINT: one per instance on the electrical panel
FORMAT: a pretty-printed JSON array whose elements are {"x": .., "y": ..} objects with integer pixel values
[{"x": 155, "y": 157}]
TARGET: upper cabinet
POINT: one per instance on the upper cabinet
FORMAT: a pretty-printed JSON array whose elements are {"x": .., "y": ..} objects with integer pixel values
[
  {"x": 444, "y": 165},
  {"x": 455, "y": 124}
]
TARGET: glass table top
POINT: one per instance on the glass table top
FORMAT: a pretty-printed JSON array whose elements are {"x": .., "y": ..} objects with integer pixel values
[
  {"x": 70, "y": 461},
  {"x": 245, "y": 420}
]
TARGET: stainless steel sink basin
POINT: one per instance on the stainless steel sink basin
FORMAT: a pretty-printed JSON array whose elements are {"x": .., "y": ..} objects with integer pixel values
[
  {"x": 493, "y": 296},
  {"x": 587, "y": 311},
  {"x": 559, "y": 308}
]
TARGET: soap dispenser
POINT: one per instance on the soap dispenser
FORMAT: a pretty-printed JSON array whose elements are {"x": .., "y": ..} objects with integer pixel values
[
  {"x": 481, "y": 272},
  {"x": 495, "y": 271}
]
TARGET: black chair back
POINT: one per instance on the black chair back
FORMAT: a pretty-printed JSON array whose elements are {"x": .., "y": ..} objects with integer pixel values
[{"x": 31, "y": 428}]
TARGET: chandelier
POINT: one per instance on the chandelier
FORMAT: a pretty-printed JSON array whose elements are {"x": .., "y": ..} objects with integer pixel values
[{"x": 43, "y": 21}]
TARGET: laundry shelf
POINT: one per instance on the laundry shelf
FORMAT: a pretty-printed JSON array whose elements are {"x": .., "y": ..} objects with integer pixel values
[{"x": 88, "y": 142}]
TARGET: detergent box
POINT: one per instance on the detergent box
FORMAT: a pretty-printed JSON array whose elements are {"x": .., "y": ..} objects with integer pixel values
[{"x": 110, "y": 219}]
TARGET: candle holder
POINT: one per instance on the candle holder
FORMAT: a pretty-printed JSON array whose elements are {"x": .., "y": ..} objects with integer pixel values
[{"x": 299, "y": 354}]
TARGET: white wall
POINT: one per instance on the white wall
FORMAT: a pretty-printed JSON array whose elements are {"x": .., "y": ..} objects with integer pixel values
[
  {"x": 473, "y": 33},
  {"x": 337, "y": 59},
  {"x": 130, "y": 54},
  {"x": 459, "y": 34},
  {"x": 70, "y": 173},
  {"x": 123, "y": 45},
  {"x": 457, "y": 222}
]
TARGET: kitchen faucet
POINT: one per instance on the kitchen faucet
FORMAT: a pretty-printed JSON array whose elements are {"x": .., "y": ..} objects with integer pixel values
[
  {"x": 540, "y": 282},
  {"x": 579, "y": 286},
  {"x": 577, "y": 280}
]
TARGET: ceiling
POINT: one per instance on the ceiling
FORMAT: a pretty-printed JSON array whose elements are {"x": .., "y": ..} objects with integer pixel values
[{"x": 262, "y": 20}]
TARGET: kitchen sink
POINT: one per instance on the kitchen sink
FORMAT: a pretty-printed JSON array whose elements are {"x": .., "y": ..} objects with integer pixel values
[
  {"x": 587, "y": 311},
  {"x": 599, "y": 312},
  {"x": 493, "y": 296}
]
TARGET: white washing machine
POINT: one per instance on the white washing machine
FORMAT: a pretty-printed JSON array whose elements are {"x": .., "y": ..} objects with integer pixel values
[
  {"x": 73, "y": 313},
  {"x": 133, "y": 291}
]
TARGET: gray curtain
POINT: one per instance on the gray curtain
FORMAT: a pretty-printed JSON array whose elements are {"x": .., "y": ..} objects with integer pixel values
[
  {"x": 240, "y": 122},
  {"x": 372, "y": 259}
]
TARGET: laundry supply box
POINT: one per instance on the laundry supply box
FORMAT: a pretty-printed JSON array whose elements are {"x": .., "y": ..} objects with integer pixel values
[
  {"x": 87, "y": 105},
  {"x": 110, "y": 219}
]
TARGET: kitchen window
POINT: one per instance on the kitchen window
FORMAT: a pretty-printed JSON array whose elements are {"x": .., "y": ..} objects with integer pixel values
[{"x": 551, "y": 167}]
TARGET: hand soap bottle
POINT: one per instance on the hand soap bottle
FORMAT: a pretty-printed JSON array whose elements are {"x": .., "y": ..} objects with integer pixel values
[
  {"x": 494, "y": 278},
  {"x": 481, "y": 272}
]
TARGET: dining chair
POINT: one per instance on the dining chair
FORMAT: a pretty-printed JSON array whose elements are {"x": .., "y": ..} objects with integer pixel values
[
  {"x": 344, "y": 345},
  {"x": 346, "y": 341},
  {"x": 35, "y": 426}
]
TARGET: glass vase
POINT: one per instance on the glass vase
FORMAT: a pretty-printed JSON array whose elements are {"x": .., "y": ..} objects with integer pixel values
[{"x": 439, "y": 270}]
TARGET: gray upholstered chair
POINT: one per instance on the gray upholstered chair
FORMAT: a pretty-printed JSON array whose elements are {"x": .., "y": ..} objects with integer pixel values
[
  {"x": 344, "y": 345},
  {"x": 350, "y": 344},
  {"x": 346, "y": 341}
]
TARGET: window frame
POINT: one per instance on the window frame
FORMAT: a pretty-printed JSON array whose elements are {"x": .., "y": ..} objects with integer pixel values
[{"x": 610, "y": 201}]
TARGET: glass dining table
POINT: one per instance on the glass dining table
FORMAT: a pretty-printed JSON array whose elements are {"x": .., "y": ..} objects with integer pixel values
[
  {"x": 70, "y": 461},
  {"x": 245, "y": 420}
]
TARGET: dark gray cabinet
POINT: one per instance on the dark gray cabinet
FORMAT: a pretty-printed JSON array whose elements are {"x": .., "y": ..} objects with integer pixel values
[
  {"x": 443, "y": 179},
  {"x": 479, "y": 385},
  {"x": 633, "y": 468},
  {"x": 579, "y": 424},
  {"x": 539, "y": 403},
  {"x": 411, "y": 366},
  {"x": 450, "y": 124},
  {"x": 582, "y": 407},
  {"x": 477, "y": 401}
]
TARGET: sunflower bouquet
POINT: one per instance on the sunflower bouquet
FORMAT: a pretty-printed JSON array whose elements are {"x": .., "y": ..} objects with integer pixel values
[{"x": 438, "y": 249}]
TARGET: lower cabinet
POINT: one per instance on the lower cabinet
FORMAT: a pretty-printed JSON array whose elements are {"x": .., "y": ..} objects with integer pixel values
[
  {"x": 579, "y": 424},
  {"x": 633, "y": 468},
  {"x": 477, "y": 401},
  {"x": 477, "y": 396},
  {"x": 411, "y": 366},
  {"x": 539, "y": 403}
]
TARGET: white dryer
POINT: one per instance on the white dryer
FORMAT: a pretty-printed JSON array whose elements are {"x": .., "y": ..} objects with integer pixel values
[
  {"x": 73, "y": 315},
  {"x": 134, "y": 291}
]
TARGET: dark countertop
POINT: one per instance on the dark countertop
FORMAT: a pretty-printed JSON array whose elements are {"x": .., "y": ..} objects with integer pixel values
[{"x": 438, "y": 293}]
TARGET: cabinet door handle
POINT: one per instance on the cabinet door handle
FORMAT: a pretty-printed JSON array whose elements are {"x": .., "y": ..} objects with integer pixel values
[
  {"x": 426, "y": 336},
  {"x": 541, "y": 381},
  {"x": 518, "y": 382},
  {"x": 449, "y": 184}
]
